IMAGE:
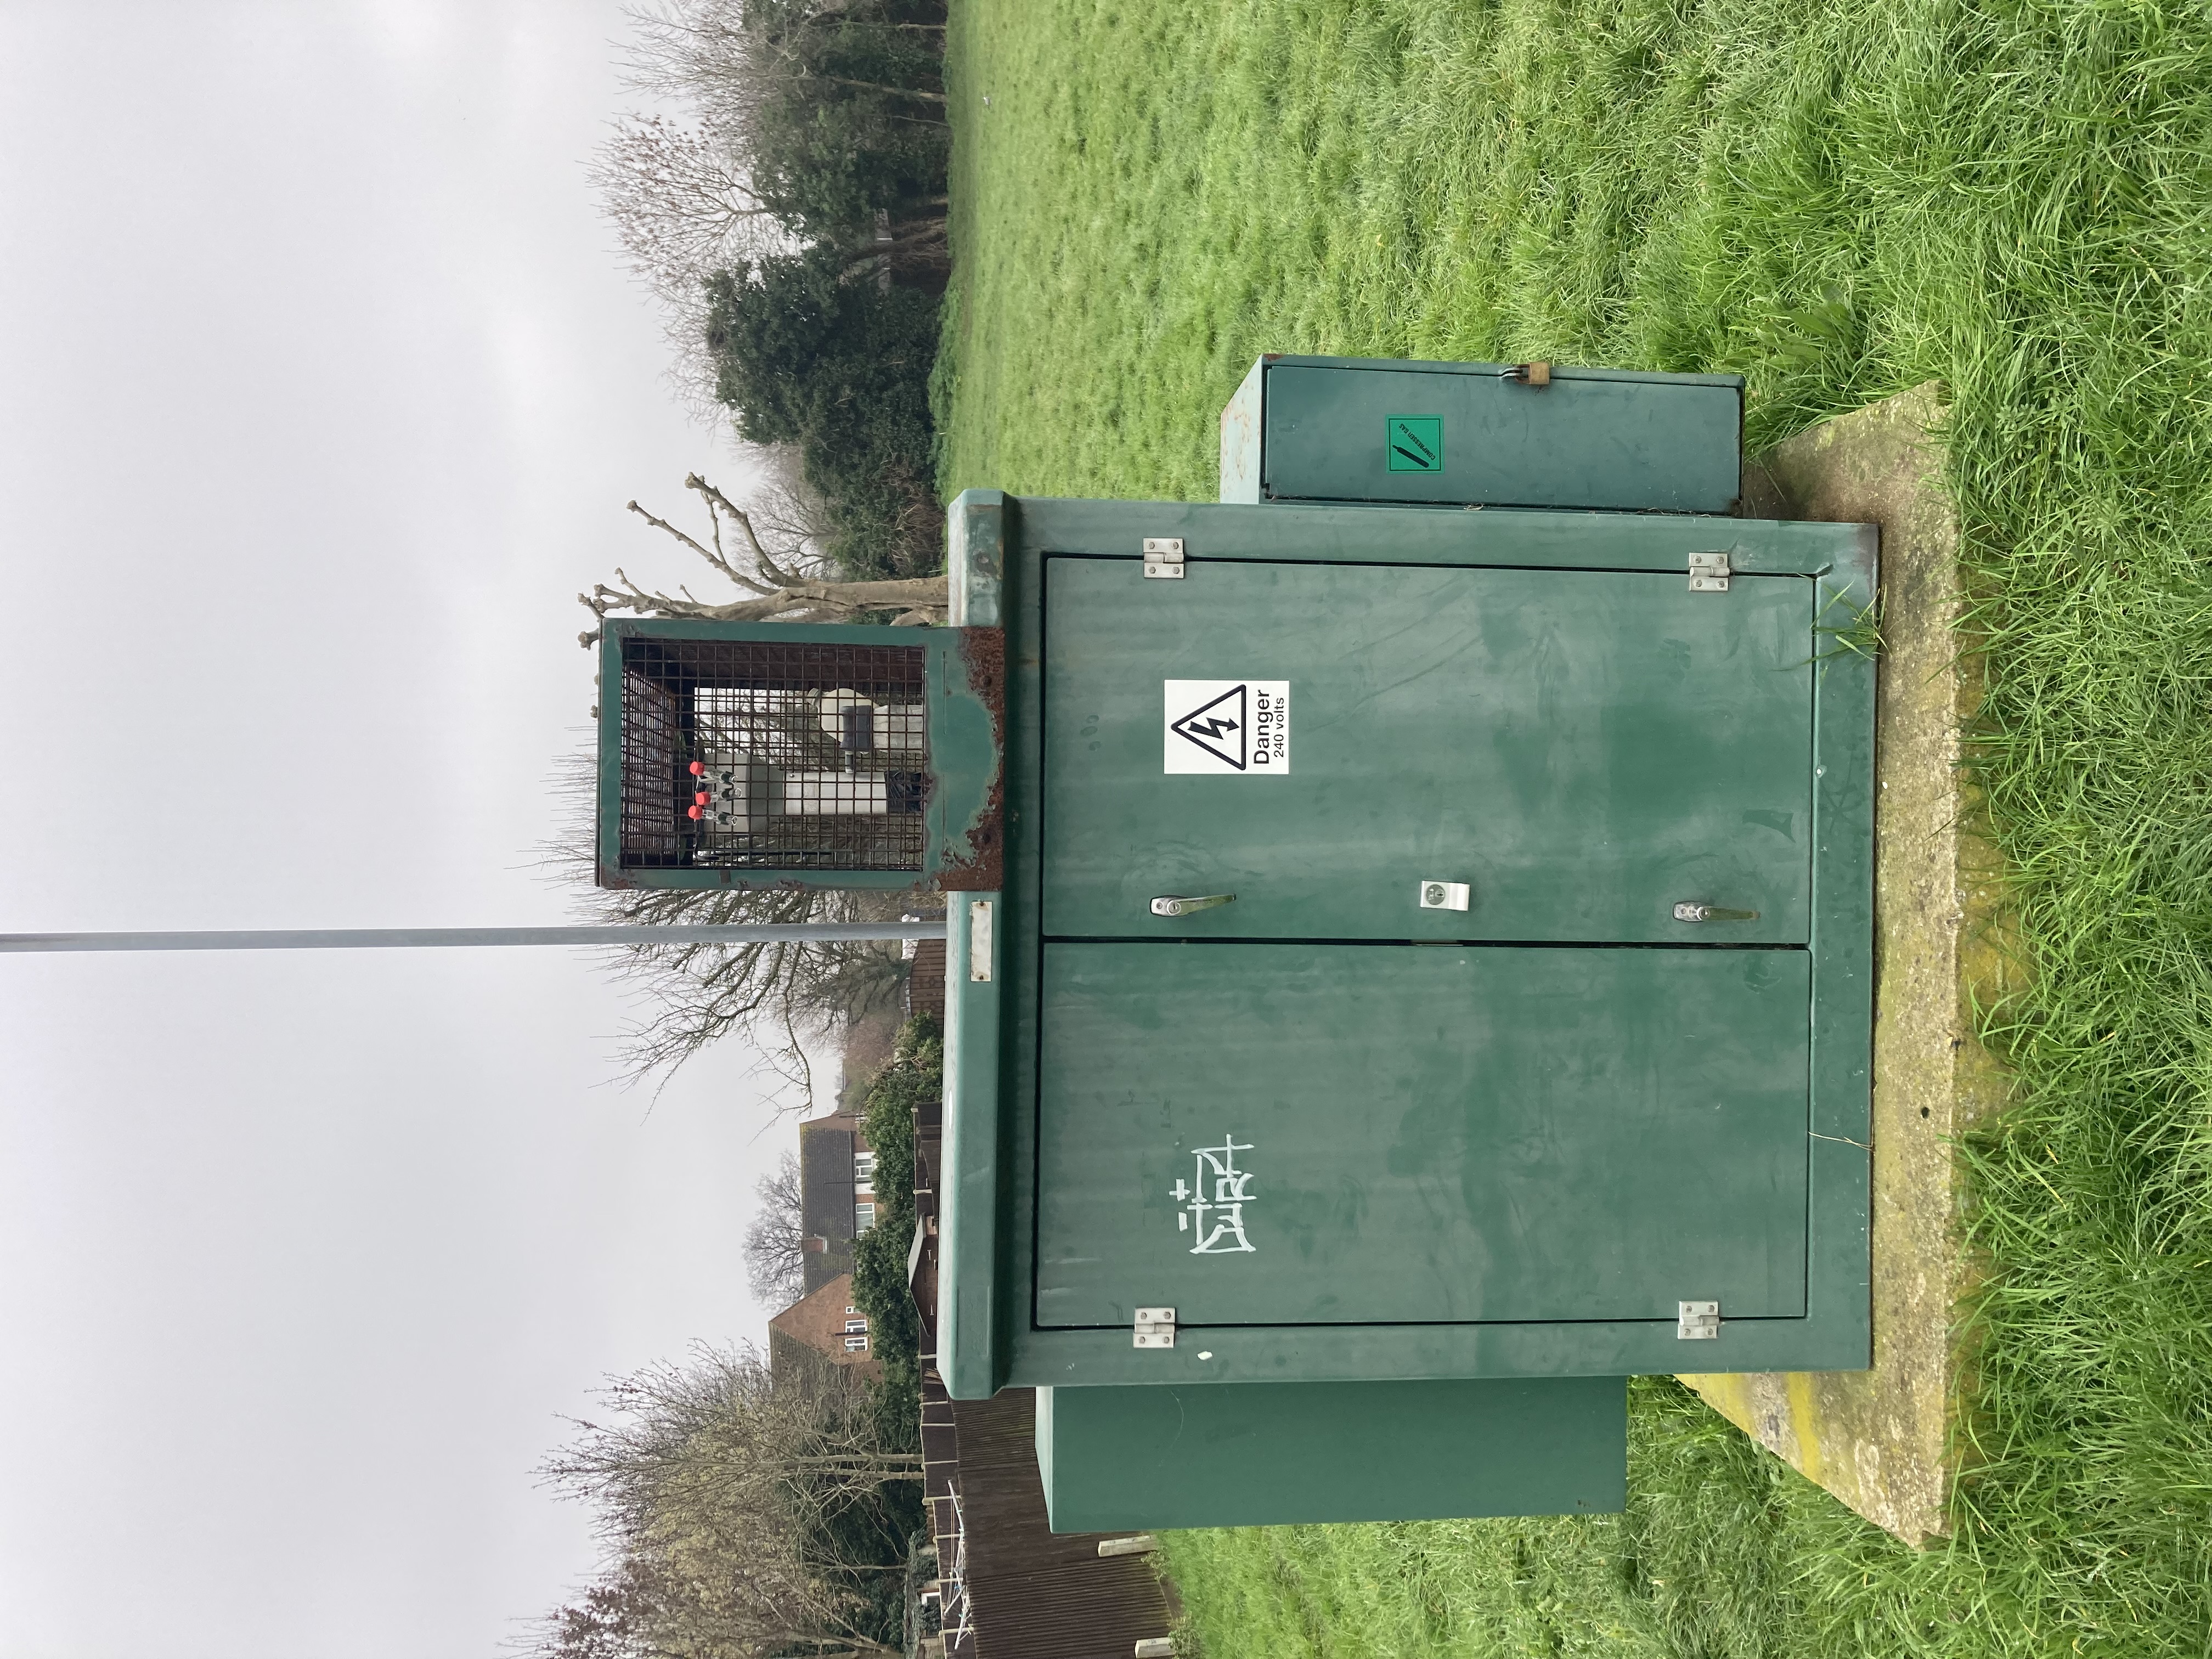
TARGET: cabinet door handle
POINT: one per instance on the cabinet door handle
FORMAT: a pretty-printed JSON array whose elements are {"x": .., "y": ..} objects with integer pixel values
[
  {"x": 1712, "y": 912},
  {"x": 1173, "y": 906}
]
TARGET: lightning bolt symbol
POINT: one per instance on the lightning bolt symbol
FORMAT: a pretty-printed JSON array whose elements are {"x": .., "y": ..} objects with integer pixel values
[{"x": 1212, "y": 728}]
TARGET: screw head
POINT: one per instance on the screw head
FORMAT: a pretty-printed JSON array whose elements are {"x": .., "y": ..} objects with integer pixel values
[{"x": 1434, "y": 893}]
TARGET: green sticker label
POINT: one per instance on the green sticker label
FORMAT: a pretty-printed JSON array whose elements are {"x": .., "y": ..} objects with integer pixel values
[{"x": 1415, "y": 443}]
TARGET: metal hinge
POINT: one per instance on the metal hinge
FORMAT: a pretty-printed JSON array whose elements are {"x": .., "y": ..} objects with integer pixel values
[
  {"x": 1156, "y": 1328},
  {"x": 1696, "y": 1322},
  {"x": 1164, "y": 558},
  {"x": 1709, "y": 572}
]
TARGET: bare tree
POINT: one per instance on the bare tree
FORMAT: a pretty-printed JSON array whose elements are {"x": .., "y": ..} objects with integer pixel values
[
  {"x": 775, "y": 1256},
  {"x": 787, "y": 513},
  {"x": 713, "y": 1482},
  {"x": 725, "y": 1428},
  {"x": 716, "y": 1596},
  {"x": 681, "y": 197},
  {"x": 684, "y": 198},
  {"x": 696, "y": 52},
  {"x": 703, "y": 53},
  {"x": 774, "y": 590},
  {"x": 683, "y": 207},
  {"x": 779, "y": 995}
]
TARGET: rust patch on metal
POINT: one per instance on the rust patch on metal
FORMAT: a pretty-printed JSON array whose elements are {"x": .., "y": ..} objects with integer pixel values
[{"x": 981, "y": 867}]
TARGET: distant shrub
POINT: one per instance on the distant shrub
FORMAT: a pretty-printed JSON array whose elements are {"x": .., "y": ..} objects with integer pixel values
[
  {"x": 914, "y": 1074},
  {"x": 840, "y": 369}
]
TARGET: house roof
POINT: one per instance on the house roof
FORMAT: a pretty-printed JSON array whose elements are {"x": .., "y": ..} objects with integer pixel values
[
  {"x": 817, "y": 1321},
  {"x": 826, "y": 1145}
]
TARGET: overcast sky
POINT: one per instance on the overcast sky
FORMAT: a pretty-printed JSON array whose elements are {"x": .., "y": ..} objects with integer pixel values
[{"x": 320, "y": 396}]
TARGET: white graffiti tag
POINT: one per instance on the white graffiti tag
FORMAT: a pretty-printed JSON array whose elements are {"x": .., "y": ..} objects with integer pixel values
[{"x": 1215, "y": 1210}]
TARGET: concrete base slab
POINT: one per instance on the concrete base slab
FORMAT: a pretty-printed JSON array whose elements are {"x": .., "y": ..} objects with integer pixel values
[{"x": 1881, "y": 1440}]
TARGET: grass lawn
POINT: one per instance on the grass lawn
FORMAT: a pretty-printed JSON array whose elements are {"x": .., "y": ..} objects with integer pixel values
[{"x": 1838, "y": 201}]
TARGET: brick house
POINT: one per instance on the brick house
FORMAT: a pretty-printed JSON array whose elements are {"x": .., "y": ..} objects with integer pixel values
[{"x": 823, "y": 1325}]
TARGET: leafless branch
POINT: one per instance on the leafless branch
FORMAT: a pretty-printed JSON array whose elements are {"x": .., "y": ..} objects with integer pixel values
[
  {"x": 711, "y": 1482},
  {"x": 713, "y": 557},
  {"x": 774, "y": 1247},
  {"x": 778, "y": 593},
  {"x": 778, "y": 999},
  {"x": 715, "y": 501}
]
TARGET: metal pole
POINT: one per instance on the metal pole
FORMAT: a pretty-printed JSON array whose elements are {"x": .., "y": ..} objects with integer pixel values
[{"x": 406, "y": 938}]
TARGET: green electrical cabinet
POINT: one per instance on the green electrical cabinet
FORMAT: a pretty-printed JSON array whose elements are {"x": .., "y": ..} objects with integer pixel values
[
  {"x": 1433, "y": 944},
  {"x": 1408, "y": 968}
]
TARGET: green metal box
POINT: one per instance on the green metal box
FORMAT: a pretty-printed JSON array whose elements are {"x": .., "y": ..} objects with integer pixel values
[
  {"x": 1406, "y": 967},
  {"x": 1273, "y": 1454},
  {"x": 769, "y": 755},
  {"x": 1530, "y": 1036},
  {"x": 1474, "y": 434}
]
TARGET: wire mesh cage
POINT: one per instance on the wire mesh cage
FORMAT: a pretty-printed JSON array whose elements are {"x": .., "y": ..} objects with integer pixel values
[{"x": 741, "y": 754}]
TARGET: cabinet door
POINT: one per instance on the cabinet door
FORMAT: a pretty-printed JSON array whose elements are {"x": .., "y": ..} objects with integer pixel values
[
  {"x": 1306, "y": 1134},
  {"x": 1584, "y": 750}
]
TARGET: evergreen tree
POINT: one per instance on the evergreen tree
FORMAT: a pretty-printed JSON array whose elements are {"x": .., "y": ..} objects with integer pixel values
[{"x": 805, "y": 356}]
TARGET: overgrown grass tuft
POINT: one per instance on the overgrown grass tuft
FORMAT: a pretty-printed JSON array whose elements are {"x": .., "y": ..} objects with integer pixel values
[{"x": 2014, "y": 197}]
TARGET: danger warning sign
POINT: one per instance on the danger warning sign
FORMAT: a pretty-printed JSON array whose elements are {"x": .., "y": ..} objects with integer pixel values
[{"x": 1241, "y": 728}]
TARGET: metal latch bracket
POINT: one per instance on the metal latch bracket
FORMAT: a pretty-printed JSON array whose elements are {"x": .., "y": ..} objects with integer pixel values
[
  {"x": 1709, "y": 572},
  {"x": 1696, "y": 1322},
  {"x": 1164, "y": 558},
  {"x": 1696, "y": 912},
  {"x": 1156, "y": 1328},
  {"x": 1174, "y": 904}
]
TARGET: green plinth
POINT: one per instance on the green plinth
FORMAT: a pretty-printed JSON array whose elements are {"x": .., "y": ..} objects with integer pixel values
[{"x": 1271, "y": 1454}]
